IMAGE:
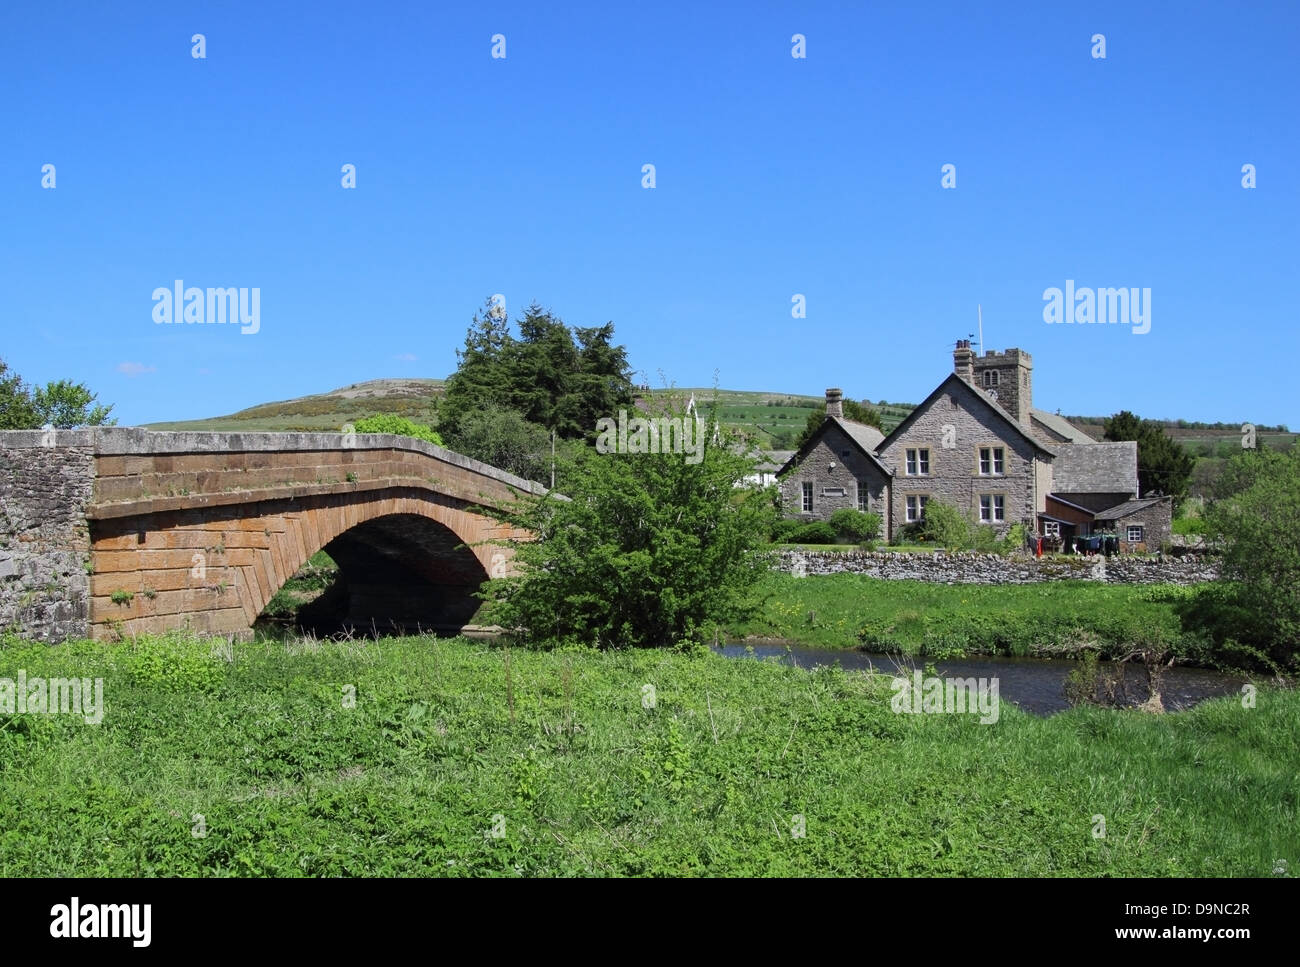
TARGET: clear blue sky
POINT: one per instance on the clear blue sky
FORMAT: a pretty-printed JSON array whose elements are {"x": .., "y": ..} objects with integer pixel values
[{"x": 775, "y": 176}]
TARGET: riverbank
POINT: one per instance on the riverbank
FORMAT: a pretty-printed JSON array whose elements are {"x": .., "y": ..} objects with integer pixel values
[
  {"x": 1057, "y": 619},
  {"x": 416, "y": 757}
]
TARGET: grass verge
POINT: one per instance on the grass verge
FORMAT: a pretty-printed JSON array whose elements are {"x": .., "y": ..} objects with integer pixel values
[{"x": 456, "y": 759}]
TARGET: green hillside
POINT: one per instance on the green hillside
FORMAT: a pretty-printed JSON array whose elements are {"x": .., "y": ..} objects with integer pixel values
[
  {"x": 773, "y": 420},
  {"x": 416, "y": 399}
]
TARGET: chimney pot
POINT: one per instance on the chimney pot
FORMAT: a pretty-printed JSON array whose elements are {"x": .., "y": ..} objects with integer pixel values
[{"x": 963, "y": 360}]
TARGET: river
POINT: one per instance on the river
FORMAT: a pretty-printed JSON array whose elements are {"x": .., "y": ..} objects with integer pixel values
[{"x": 1034, "y": 684}]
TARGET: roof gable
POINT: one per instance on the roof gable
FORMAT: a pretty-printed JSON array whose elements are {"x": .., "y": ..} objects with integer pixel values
[
  {"x": 994, "y": 408},
  {"x": 863, "y": 437}
]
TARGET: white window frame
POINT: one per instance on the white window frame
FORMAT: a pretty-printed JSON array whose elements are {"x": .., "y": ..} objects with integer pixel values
[
  {"x": 864, "y": 498},
  {"x": 1051, "y": 528},
  {"x": 1128, "y": 533},
  {"x": 993, "y": 508},
  {"x": 994, "y": 464},
  {"x": 915, "y": 504},
  {"x": 806, "y": 497},
  {"x": 917, "y": 462}
]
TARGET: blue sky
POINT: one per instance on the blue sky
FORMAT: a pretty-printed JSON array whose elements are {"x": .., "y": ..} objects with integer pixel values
[{"x": 775, "y": 176}]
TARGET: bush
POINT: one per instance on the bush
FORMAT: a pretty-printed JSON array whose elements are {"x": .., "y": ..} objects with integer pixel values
[
  {"x": 945, "y": 526},
  {"x": 399, "y": 426},
  {"x": 1014, "y": 540},
  {"x": 818, "y": 532},
  {"x": 783, "y": 530},
  {"x": 855, "y": 526}
]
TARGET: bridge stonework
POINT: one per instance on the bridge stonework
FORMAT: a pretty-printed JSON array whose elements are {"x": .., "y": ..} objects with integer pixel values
[{"x": 114, "y": 532}]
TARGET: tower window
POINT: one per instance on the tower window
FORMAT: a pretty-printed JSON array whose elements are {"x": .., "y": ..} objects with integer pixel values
[{"x": 990, "y": 377}]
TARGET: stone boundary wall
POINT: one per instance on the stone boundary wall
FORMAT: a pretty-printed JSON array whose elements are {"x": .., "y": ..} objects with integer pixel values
[
  {"x": 45, "y": 540},
  {"x": 974, "y": 568}
]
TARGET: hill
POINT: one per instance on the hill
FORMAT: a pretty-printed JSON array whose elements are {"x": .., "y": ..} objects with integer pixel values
[
  {"x": 772, "y": 420},
  {"x": 416, "y": 399}
]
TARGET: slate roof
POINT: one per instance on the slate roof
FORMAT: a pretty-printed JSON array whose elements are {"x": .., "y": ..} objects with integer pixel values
[
  {"x": 867, "y": 437},
  {"x": 1061, "y": 426},
  {"x": 1095, "y": 468},
  {"x": 1126, "y": 508}
]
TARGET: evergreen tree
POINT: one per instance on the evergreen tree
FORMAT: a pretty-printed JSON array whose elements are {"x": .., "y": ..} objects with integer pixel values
[{"x": 1164, "y": 467}]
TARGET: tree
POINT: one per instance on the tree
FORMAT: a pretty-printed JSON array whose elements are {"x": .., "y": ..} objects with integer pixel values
[
  {"x": 502, "y": 438},
  {"x": 481, "y": 379},
  {"x": 1254, "y": 518},
  {"x": 61, "y": 404},
  {"x": 862, "y": 412},
  {"x": 64, "y": 405},
  {"x": 560, "y": 379},
  {"x": 1164, "y": 467},
  {"x": 17, "y": 412},
  {"x": 646, "y": 551}
]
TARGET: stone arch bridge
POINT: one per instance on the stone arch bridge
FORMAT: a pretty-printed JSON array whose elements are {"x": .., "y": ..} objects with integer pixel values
[{"x": 114, "y": 531}]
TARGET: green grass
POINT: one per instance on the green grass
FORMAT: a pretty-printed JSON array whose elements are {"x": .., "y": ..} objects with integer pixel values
[
  {"x": 851, "y": 610},
  {"x": 312, "y": 578},
  {"x": 555, "y": 750}
]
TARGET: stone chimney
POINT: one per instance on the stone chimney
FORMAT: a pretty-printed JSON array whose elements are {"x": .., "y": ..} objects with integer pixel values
[
  {"x": 835, "y": 403},
  {"x": 963, "y": 360}
]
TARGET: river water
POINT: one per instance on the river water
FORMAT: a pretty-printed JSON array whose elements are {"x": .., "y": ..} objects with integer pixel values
[{"x": 1034, "y": 684}]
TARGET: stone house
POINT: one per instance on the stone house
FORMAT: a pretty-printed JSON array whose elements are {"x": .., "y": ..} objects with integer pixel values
[{"x": 977, "y": 443}]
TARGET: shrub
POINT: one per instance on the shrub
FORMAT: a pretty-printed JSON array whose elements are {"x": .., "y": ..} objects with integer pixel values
[
  {"x": 1014, "y": 540},
  {"x": 855, "y": 526},
  {"x": 783, "y": 530},
  {"x": 945, "y": 526},
  {"x": 818, "y": 532},
  {"x": 398, "y": 425}
]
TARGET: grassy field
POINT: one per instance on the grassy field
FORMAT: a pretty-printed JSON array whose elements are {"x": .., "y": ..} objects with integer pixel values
[
  {"x": 920, "y": 618},
  {"x": 458, "y": 760}
]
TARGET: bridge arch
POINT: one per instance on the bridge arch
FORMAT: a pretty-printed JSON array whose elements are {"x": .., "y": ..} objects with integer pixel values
[{"x": 201, "y": 534}]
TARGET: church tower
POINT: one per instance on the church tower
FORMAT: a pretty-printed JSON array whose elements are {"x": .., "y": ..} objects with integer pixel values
[{"x": 1007, "y": 378}]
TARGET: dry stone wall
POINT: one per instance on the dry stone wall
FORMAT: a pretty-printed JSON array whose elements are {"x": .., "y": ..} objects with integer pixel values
[{"x": 974, "y": 568}]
